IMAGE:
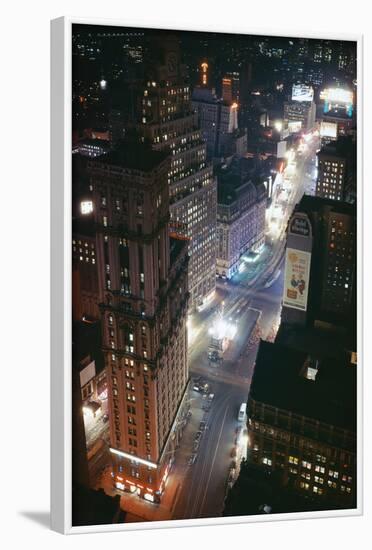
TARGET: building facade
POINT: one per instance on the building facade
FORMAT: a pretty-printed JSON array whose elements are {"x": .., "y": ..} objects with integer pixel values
[
  {"x": 164, "y": 117},
  {"x": 240, "y": 222},
  {"x": 218, "y": 121},
  {"x": 299, "y": 115},
  {"x": 336, "y": 171},
  {"x": 85, "y": 290},
  {"x": 91, "y": 147},
  {"x": 143, "y": 301},
  {"x": 231, "y": 87},
  {"x": 304, "y": 426}
]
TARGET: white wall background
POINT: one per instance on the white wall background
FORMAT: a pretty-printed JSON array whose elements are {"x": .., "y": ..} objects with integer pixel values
[{"x": 24, "y": 272}]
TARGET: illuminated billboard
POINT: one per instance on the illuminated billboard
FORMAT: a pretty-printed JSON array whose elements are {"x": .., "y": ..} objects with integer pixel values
[
  {"x": 300, "y": 92},
  {"x": 328, "y": 129},
  {"x": 337, "y": 98},
  {"x": 294, "y": 126},
  {"x": 337, "y": 95},
  {"x": 296, "y": 279}
]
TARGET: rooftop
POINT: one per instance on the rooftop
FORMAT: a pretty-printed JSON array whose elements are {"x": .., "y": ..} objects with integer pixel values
[
  {"x": 310, "y": 204},
  {"x": 331, "y": 398},
  {"x": 232, "y": 185},
  {"x": 134, "y": 156},
  {"x": 343, "y": 147}
]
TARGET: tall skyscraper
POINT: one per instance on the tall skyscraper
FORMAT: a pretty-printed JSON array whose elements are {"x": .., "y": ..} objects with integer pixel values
[
  {"x": 231, "y": 87},
  {"x": 143, "y": 300},
  {"x": 218, "y": 122},
  {"x": 164, "y": 117}
]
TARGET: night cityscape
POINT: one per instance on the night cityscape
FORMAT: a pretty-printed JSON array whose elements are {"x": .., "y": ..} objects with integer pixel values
[{"x": 214, "y": 229}]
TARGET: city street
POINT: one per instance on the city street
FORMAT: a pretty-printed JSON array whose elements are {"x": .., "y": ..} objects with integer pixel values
[{"x": 256, "y": 309}]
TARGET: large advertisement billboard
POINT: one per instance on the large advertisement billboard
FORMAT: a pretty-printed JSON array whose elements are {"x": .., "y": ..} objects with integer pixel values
[
  {"x": 328, "y": 129},
  {"x": 337, "y": 95},
  {"x": 337, "y": 98},
  {"x": 300, "y": 92},
  {"x": 296, "y": 279}
]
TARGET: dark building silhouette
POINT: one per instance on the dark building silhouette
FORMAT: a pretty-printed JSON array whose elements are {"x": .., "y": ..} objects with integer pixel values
[{"x": 302, "y": 422}]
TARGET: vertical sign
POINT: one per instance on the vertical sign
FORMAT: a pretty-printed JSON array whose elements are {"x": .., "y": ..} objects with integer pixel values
[{"x": 296, "y": 280}]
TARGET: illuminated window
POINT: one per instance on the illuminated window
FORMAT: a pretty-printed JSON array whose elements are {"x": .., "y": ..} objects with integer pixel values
[{"x": 86, "y": 207}]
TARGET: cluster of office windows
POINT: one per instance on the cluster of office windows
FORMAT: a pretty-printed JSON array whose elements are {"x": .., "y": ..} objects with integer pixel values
[{"x": 84, "y": 251}]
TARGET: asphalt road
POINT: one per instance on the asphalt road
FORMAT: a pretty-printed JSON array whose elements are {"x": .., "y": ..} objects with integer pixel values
[{"x": 204, "y": 485}]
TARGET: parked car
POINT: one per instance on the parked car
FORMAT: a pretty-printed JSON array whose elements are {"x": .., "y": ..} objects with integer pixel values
[
  {"x": 197, "y": 436},
  {"x": 192, "y": 459}
]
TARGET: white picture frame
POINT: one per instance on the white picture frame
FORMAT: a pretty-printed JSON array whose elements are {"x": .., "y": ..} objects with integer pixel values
[{"x": 61, "y": 445}]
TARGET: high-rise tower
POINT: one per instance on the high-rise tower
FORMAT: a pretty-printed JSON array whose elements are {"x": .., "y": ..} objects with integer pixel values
[
  {"x": 143, "y": 284},
  {"x": 162, "y": 115}
]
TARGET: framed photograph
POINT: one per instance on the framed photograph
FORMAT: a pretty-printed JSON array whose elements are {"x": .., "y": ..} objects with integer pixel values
[{"x": 206, "y": 276}]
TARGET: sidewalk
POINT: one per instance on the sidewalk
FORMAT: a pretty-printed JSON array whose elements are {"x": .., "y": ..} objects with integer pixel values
[{"x": 139, "y": 509}]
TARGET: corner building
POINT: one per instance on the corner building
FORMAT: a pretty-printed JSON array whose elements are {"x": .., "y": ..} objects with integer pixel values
[
  {"x": 302, "y": 422},
  {"x": 144, "y": 299},
  {"x": 164, "y": 117}
]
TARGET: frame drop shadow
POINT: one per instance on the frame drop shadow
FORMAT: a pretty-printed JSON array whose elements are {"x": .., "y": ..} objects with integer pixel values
[{"x": 41, "y": 518}]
